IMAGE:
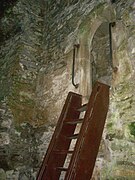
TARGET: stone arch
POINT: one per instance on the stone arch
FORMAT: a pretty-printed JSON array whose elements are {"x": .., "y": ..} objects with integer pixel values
[
  {"x": 87, "y": 30},
  {"x": 100, "y": 55}
]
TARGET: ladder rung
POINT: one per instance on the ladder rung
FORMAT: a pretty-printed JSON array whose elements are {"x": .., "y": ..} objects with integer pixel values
[
  {"x": 82, "y": 108},
  {"x": 74, "y": 136},
  {"x": 62, "y": 168},
  {"x": 76, "y": 121},
  {"x": 63, "y": 152}
]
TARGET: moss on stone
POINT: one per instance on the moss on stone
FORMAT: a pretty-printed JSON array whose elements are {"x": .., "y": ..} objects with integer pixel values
[
  {"x": 132, "y": 128},
  {"x": 109, "y": 125}
]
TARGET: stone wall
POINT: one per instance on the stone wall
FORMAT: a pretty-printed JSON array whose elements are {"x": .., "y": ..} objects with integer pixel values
[
  {"x": 37, "y": 39},
  {"x": 21, "y": 59}
]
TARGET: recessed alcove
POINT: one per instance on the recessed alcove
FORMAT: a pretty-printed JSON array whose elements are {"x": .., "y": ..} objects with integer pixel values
[{"x": 100, "y": 55}]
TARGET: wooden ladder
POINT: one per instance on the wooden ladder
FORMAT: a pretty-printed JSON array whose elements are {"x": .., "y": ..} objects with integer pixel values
[{"x": 71, "y": 155}]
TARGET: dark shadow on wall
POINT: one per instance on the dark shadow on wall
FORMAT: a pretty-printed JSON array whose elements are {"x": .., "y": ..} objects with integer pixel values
[{"x": 5, "y": 4}]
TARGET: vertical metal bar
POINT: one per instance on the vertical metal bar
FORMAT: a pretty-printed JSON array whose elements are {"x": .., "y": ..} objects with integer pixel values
[
  {"x": 76, "y": 46},
  {"x": 112, "y": 24},
  {"x": 110, "y": 43}
]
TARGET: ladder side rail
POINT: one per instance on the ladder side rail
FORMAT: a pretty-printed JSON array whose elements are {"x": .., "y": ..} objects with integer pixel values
[
  {"x": 59, "y": 142},
  {"x": 86, "y": 150}
]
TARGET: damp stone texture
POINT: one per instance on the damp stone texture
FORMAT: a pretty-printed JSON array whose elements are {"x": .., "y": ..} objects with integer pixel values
[{"x": 36, "y": 52}]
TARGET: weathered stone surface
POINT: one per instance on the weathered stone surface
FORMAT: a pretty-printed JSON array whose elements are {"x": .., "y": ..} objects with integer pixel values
[
  {"x": 2, "y": 174},
  {"x": 37, "y": 39}
]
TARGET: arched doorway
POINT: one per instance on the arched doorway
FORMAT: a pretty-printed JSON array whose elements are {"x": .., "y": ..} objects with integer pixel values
[{"x": 100, "y": 54}]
